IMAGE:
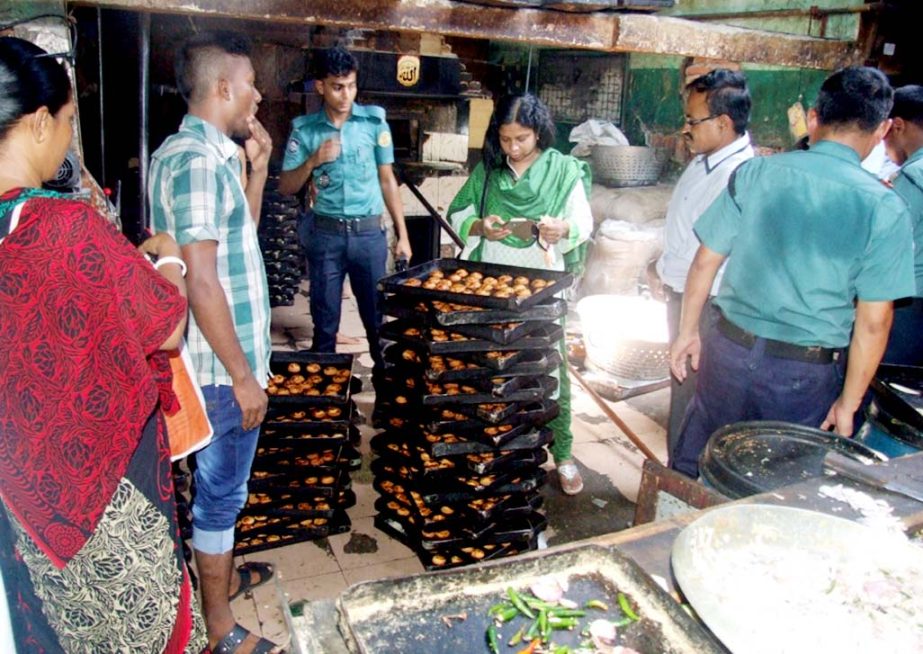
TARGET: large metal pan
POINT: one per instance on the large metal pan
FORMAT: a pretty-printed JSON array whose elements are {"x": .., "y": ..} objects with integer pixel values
[
  {"x": 405, "y": 615},
  {"x": 780, "y": 580}
]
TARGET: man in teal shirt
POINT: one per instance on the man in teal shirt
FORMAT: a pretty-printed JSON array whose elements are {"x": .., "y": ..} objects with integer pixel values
[
  {"x": 817, "y": 249},
  {"x": 904, "y": 142},
  {"x": 344, "y": 153}
]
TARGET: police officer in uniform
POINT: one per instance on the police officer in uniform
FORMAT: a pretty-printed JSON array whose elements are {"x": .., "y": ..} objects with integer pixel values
[
  {"x": 345, "y": 152},
  {"x": 817, "y": 250}
]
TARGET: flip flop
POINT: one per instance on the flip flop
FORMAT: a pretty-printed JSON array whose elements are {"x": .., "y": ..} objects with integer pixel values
[
  {"x": 246, "y": 571},
  {"x": 237, "y": 635}
]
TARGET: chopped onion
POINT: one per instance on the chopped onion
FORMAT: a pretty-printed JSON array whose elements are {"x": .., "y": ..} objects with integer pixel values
[{"x": 603, "y": 634}]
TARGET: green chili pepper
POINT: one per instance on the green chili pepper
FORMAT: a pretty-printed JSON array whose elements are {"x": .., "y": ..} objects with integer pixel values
[
  {"x": 626, "y": 607},
  {"x": 519, "y": 604},
  {"x": 536, "y": 603},
  {"x": 596, "y": 604},
  {"x": 496, "y": 608},
  {"x": 507, "y": 614},
  {"x": 624, "y": 622},
  {"x": 517, "y": 637},
  {"x": 567, "y": 613},
  {"x": 543, "y": 626},
  {"x": 562, "y": 623},
  {"x": 492, "y": 641},
  {"x": 532, "y": 631},
  {"x": 561, "y": 649}
]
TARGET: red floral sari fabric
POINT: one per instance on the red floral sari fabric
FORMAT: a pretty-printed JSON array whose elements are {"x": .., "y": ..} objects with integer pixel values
[{"x": 80, "y": 312}]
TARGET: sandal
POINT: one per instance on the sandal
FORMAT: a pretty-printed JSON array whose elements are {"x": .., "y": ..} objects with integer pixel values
[
  {"x": 569, "y": 476},
  {"x": 246, "y": 570},
  {"x": 232, "y": 641}
]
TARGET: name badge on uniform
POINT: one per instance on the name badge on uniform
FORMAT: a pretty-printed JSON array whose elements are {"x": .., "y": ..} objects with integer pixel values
[{"x": 323, "y": 180}]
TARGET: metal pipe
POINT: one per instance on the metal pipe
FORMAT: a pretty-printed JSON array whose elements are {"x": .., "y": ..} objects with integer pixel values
[
  {"x": 102, "y": 95},
  {"x": 432, "y": 211},
  {"x": 144, "y": 55},
  {"x": 613, "y": 416}
]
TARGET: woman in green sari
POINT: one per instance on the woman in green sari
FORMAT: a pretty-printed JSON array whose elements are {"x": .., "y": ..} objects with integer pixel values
[{"x": 526, "y": 205}]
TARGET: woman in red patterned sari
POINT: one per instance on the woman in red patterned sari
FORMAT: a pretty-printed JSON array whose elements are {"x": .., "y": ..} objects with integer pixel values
[{"x": 89, "y": 545}]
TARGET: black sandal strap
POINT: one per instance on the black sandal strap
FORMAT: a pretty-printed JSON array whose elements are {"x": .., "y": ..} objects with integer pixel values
[{"x": 231, "y": 641}]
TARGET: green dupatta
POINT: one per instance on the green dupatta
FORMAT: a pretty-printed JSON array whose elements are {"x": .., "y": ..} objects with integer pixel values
[{"x": 542, "y": 191}]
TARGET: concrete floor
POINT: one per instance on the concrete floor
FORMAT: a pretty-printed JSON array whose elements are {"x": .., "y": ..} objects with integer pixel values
[{"x": 609, "y": 462}]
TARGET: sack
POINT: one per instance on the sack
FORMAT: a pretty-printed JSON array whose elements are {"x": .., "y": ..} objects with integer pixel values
[{"x": 189, "y": 429}]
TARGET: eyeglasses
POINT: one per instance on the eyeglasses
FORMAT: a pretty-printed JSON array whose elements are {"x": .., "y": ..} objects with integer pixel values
[{"x": 692, "y": 122}]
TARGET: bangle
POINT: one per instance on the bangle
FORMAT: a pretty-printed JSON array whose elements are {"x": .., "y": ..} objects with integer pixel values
[{"x": 179, "y": 262}]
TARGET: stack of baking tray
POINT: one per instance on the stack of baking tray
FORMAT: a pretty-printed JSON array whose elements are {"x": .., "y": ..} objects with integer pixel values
[
  {"x": 300, "y": 480},
  {"x": 282, "y": 252},
  {"x": 469, "y": 379}
]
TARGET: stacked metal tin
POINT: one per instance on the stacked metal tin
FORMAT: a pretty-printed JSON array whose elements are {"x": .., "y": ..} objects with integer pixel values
[
  {"x": 300, "y": 480},
  {"x": 279, "y": 242},
  {"x": 467, "y": 392}
]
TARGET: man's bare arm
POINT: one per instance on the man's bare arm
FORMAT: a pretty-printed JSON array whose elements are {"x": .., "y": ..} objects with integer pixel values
[
  {"x": 688, "y": 342},
  {"x": 869, "y": 340},
  {"x": 390, "y": 190}
]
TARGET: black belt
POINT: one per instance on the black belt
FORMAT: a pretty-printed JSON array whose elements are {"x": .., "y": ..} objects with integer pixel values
[
  {"x": 779, "y": 349},
  {"x": 345, "y": 225}
]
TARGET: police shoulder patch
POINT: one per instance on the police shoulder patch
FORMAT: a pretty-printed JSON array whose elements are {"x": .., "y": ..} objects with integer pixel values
[
  {"x": 384, "y": 139},
  {"x": 293, "y": 145}
]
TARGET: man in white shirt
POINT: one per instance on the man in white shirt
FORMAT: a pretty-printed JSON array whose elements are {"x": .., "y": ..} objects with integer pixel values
[{"x": 717, "y": 111}]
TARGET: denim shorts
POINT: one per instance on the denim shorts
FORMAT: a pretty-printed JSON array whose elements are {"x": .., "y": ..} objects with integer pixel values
[{"x": 223, "y": 468}]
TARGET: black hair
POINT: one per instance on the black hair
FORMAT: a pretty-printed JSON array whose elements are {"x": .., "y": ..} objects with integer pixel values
[
  {"x": 29, "y": 80},
  {"x": 725, "y": 92},
  {"x": 335, "y": 62},
  {"x": 528, "y": 111},
  {"x": 908, "y": 104},
  {"x": 856, "y": 95},
  {"x": 196, "y": 59}
]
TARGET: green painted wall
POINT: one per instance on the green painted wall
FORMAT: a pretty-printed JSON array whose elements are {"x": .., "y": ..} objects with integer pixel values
[
  {"x": 839, "y": 26},
  {"x": 654, "y": 103}
]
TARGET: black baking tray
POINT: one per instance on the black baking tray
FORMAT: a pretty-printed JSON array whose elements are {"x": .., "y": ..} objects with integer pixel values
[
  {"x": 896, "y": 402},
  {"x": 439, "y": 368},
  {"x": 477, "y": 514},
  {"x": 314, "y": 438},
  {"x": 285, "y": 460},
  {"x": 326, "y": 482},
  {"x": 409, "y": 403},
  {"x": 440, "y": 314},
  {"x": 254, "y": 523},
  {"x": 544, "y": 337},
  {"x": 271, "y": 539},
  {"x": 487, "y": 435},
  {"x": 526, "y": 438},
  {"x": 532, "y": 362},
  {"x": 280, "y": 361},
  {"x": 485, "y": 463},
  {"x": 520, "y": 483},
  {"x": 532, "y": 413},
  {"x": 558, "y": 281},
  {"x": 449, "y": 558},
  {"x": 367, "y": 611},
  {"x": 504, "y": 333},
  {"x": 442, "y": 537},
  {"x": 394, "y": 453},
  {"x": 311, "y": 418},
  {"x": 304, "y": 503},
  {"x": 534, "y": 390}
]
